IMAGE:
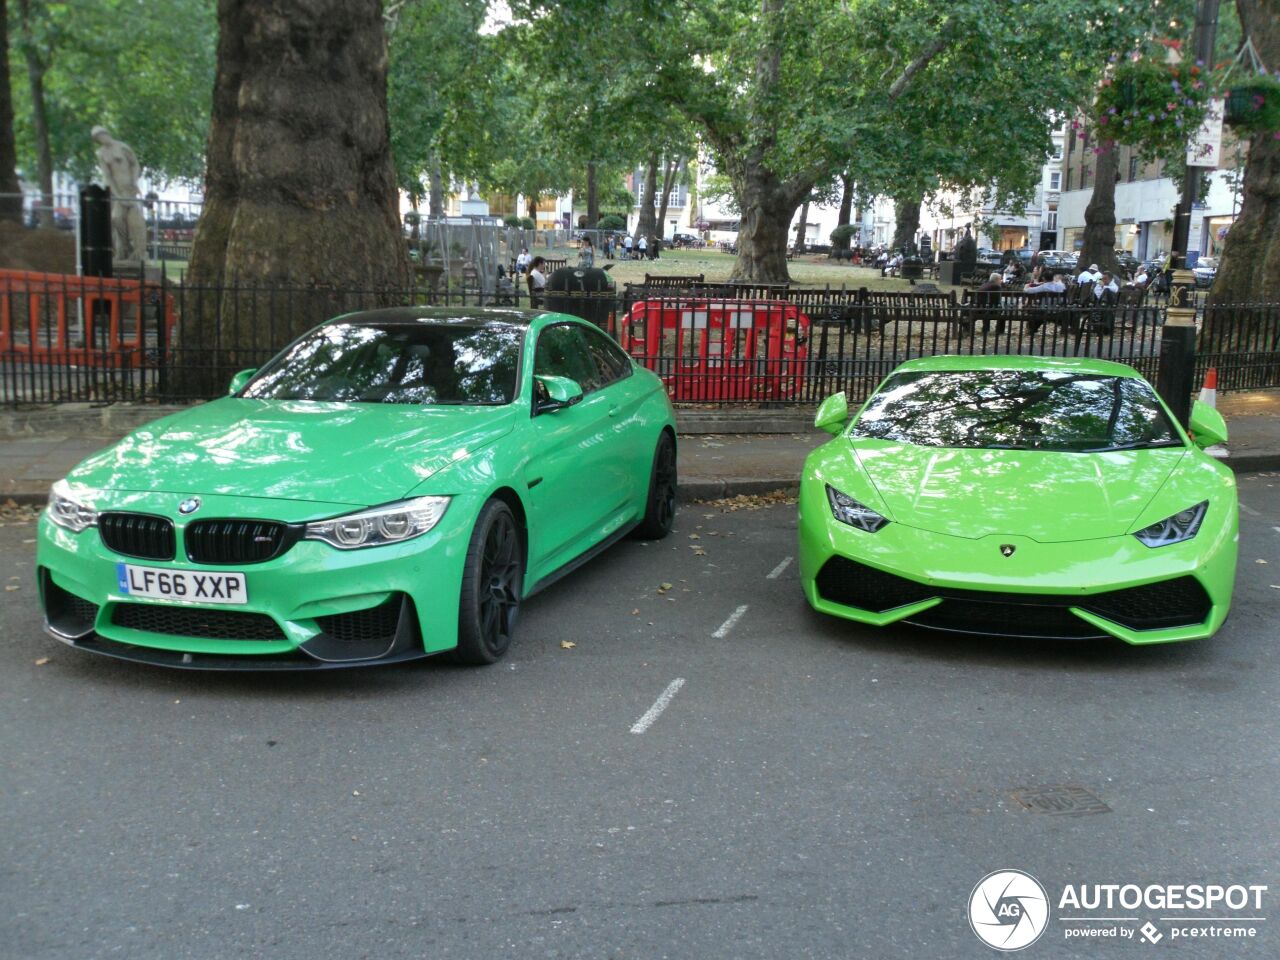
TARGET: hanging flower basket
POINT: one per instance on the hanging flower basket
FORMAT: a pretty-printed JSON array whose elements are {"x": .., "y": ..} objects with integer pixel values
[
  {"x": 1254, "y": 105},
  {"x": 1152, "y": 105}
]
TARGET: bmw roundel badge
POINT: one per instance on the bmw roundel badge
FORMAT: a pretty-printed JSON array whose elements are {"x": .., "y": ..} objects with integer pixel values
[{"x": 189, "y": 505}]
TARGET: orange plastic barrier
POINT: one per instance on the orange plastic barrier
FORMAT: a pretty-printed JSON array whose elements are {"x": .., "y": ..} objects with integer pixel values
[
  {"x": 714, "y": 350},
  {"x": 64, "y": 319}
]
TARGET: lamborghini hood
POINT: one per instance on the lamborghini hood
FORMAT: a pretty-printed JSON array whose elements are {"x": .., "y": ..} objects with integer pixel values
[{"x": 1047, "y": 496}]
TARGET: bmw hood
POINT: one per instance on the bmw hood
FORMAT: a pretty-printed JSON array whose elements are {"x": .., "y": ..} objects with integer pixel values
[
  {"x": 1047, "y": 496},
  {"x": 345, "y": 453}
]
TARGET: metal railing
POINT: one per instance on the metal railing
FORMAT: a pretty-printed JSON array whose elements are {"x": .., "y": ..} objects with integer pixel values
[{"x": 67, "y": 339}]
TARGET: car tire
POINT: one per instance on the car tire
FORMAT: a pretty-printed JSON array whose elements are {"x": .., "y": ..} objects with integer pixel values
[
  {"x": 492, "y": 582},
  {"x": 660, "y": 502}
]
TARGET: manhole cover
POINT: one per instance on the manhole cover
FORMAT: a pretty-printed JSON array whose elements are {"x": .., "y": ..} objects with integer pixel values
[{"x": 1060, "y": 800}]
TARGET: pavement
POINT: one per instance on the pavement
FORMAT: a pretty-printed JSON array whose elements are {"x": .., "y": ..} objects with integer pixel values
[{"x": 722, "y": 453}]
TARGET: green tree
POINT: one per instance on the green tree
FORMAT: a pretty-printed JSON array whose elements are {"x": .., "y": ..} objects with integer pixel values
[
  {"x": 1250, "y": 269},
  {"x": 903, "y": 94},
  {"x": 143, "y": 73}
]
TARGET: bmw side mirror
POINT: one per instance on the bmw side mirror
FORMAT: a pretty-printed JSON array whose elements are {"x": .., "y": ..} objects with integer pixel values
[
  {"x": 1207, "y": 426},
  {"x": 833, "y": 414},
  {"x": 239, "y": 380},
  {"x": 555, "y": 393}
]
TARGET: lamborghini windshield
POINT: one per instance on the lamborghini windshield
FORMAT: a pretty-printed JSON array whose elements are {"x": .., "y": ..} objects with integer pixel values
[
  {"x": 1019, "y": 410},
  {"x": 427, "y": 363}
]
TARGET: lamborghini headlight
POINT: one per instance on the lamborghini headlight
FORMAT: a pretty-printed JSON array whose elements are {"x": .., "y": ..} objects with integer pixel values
[
  {"x": 848, "y": 510},
  {"x": 379, "y": 526},
  {"x": 66, "y": 511},
  {"x": 1183, "y": 525}
]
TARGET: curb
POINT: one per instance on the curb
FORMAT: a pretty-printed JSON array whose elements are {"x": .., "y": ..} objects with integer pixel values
[{"x": 694, "y": 490}]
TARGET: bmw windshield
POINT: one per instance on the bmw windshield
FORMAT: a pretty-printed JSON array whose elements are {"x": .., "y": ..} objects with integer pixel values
[
  {"x": 1051, "y": 410},
  {"x": 420, "y": 363}
]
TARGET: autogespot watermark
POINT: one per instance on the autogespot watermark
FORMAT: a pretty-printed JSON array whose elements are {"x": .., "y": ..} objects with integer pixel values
[{"x": 1010, "y": 910}]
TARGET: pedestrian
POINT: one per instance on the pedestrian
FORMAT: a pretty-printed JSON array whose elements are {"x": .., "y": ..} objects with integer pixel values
[
  {"x": 642, "y": 247},
  {"x": 626, "y": 247},
  {"x": 986, "y": 302},
  {"x": 537, "y": 281},
  {"x": 586, "y": 254},
  {"x": 607, "y": 247},
  {"x": 656, "y": 249},
  {"x": 522, "y": 261},
  {"x": 1090, "y": 274},
  {"x": 1106, "y": 291}
]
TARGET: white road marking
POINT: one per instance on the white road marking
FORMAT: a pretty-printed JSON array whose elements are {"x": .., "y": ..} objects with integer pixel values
[
  {"x": 1249, "y": 510},
  {"x": 1276, "y": 529},
  {"x": 652, "y": 714},
  {"x": 777, "y": 571},
  {"x": 730, "y": 623}
]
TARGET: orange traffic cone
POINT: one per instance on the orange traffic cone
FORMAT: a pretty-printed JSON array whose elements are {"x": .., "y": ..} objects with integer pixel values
[
  {"x": 1209, "y": 392},
  {"x": 1209, "y": 395}
]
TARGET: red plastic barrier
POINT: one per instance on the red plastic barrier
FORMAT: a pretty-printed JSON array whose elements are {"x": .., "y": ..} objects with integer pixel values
[
  {"x": 63, "y": 319},
  {"x": 710, "y": 350}
]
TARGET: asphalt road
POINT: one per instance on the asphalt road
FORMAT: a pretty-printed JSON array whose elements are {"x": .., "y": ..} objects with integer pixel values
[{"x": 811, "y": 788}]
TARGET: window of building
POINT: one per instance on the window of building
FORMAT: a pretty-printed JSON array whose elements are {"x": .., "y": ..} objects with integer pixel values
[
  {"x": 1068, "y": 185},
  {"x": 1051, "y": 219},
  {"x": 1071, "y": 139},
  {"x": 1084, "y": 176},
  {"x": 1133, "y": 168},
  {"x": 1055, "y": 180}
]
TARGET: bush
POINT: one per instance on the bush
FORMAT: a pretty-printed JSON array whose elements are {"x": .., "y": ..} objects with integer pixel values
[
  {"x": 511, "y": 221},
  {"x": 611, "y": 221},
  {"x": 842, "y": 234},
  {"x": 526, "y": 223}
]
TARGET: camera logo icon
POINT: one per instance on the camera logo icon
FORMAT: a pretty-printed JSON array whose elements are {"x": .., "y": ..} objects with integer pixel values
[{"x": 1008, "y": 910}]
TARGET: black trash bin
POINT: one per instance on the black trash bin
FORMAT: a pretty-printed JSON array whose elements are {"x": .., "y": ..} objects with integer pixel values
[
  {"x": 912, "y": 268},
  {"x": 581, "y": 292}
]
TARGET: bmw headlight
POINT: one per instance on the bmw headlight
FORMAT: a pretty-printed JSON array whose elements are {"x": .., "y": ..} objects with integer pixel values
[
  {"x": 66, "y": 511},
  {"x": 1183, "y": 525},
  {"x": 848, "y": 510},
  {"x": 393, "y": 523}
]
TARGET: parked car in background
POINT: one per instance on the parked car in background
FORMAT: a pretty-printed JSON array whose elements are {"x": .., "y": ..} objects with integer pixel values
[
  {"x": 1206, "y": 269},
  {"x": 1128, "y": 262},
  {"x": 685, "y": 240},
  {"x": 1058, "y": 259}
]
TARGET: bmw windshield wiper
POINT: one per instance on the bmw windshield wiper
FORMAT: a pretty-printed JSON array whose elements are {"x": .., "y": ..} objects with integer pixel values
[{"x": 1139, "y": 445}]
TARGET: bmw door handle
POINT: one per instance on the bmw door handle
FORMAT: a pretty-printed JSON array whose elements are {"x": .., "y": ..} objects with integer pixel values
[{"x": 614, "y": 410}]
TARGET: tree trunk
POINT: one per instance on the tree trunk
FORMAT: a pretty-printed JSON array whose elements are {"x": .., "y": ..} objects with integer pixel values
[
  {"x": 767, "y": 204},
  {"x": 10, "y": 206},
  {"x": 39, "y": 115},
  {"x": 300, "y": 188},
  {"x": 531, "y": 206},
  {"x": 593, "y": 196},
  {"x": 1250, "y": 267},
  {"x": 859, "y": 213},
  {"x": 802, "y": 228},
  {"x": 906, "y": 212},
  {"x": 1100, "y": 216},
  {"x": 668, "y": 181},
  {"x": 435, "y": 182},
  {"x": 644, "y": 223},
  {"x": 846, "y": 208}
]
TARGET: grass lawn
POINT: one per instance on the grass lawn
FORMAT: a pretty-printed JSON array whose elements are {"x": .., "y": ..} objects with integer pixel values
[{"x": 807, "y": 271}]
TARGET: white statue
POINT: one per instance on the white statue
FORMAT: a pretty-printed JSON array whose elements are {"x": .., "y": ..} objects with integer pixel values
[{"x": 120, "y": 169}]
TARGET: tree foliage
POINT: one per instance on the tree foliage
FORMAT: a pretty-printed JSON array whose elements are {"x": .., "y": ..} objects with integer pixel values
[{"x": 144, "y": 73}]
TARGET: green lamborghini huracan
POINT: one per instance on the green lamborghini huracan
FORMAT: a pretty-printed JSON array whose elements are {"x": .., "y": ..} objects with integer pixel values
[
  {"x": 392, "y": 484},
  {"x": 1020, "y": 496}
]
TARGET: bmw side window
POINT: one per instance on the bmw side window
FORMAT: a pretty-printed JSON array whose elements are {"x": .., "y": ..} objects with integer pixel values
[
  {"x": 607, "y": 356},
  {"x": 561, "y": 352}
]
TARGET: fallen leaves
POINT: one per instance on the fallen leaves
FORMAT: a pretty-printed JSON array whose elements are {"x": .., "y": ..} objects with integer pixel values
[
  {"x": 20, "y": 512},
  {"x": 567, "y": 644},
  {"x": 750, "y": 501},
  {"x": 42, "y": 661},
  {"x": 663, "y": 588}
]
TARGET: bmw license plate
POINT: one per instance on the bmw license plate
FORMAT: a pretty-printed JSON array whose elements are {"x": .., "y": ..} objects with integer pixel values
[{"x": 158, "y": 584}]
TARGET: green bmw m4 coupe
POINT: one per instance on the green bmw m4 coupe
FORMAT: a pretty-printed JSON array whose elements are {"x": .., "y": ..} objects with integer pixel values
[
  {"x": 1020, "y": 496},
  {"x": 391, "y": 485}
]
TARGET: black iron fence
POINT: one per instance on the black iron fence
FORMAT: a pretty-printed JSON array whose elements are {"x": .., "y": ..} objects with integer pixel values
[{"x": 67, "y": 339}]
